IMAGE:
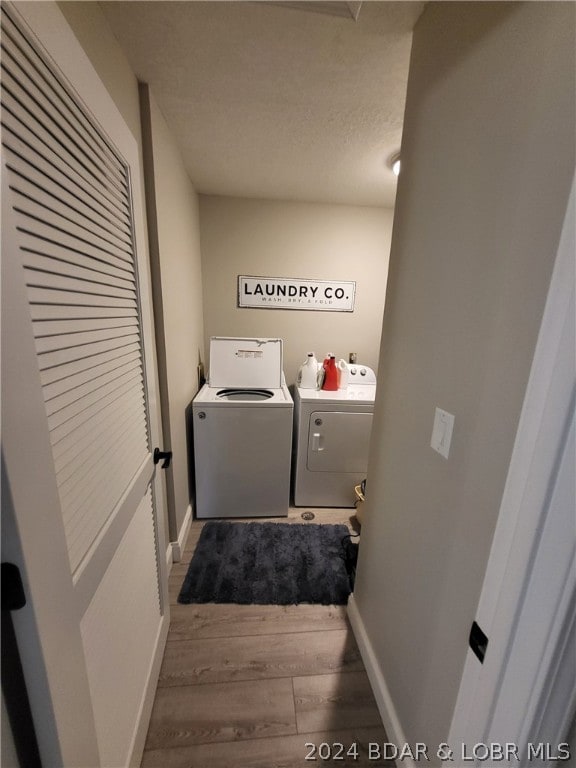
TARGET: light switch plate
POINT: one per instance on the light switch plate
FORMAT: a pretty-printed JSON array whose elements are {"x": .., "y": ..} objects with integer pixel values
[{"x": 442, "y": 432}]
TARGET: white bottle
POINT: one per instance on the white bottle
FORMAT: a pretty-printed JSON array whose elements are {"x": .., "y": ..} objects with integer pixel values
[
  {"x": 308, "y": 373},
  {"x": 343, "y": 374}
]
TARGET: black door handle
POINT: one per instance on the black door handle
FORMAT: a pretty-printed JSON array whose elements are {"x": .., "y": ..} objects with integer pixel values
[
  {"x": 478, "y": 642},
  {"x": 13, "y": 595},
  {"x": 13, "y": 682},
  {"x": 165, "y": 456}
]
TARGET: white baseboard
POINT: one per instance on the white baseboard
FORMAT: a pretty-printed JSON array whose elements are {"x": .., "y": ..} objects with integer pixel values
[
  {"x": 178, "y": 546},
  {"x": 139, "y": 738},
  {"x": 169, "y": 558},
  {"x": 384, "y": 701}
]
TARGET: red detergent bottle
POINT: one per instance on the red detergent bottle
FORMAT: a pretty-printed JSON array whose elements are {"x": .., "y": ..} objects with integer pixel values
[{"x": 331, "y": 375}]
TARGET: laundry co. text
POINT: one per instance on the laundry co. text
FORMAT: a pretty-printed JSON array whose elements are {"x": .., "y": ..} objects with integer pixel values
[{"x": 292, "y": 293}]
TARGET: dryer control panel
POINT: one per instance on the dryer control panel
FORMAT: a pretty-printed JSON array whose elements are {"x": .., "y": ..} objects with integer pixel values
[{"x": 360, "y": 374}]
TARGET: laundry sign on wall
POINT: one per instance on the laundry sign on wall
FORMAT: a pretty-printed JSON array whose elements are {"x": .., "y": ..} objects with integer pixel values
[{"x": 295, "y": 293}]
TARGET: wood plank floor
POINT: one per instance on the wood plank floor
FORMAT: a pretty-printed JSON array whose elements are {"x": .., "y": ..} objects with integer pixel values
[{"x": 255, "y": 686}]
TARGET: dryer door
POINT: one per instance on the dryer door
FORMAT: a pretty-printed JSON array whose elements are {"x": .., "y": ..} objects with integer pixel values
[{"x": 338, "y": 442}]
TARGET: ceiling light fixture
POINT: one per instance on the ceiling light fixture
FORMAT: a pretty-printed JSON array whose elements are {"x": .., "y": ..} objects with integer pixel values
[{"x": 394, "y": 163}]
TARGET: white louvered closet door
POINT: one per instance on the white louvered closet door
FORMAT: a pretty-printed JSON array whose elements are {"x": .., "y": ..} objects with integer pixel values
[{"x": 79, "y": 433}]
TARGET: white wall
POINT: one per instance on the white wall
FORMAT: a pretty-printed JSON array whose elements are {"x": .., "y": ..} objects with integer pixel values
[
  {"x": 304, "y": 240},
  {"x": 108, "y": 59},
  {"x": 174, "y": 237},
  {"x": 488, "y": 157}
]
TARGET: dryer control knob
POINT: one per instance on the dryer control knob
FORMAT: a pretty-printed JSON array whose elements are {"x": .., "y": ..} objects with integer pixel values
[
  {"x": 318, "y": 422},
  {"x": 202, "y": 415}
]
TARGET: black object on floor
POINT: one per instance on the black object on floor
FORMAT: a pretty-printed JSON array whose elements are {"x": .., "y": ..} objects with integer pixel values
[
  {"x": 350, "y": 556},
  {"x": 268, "y": 564}
]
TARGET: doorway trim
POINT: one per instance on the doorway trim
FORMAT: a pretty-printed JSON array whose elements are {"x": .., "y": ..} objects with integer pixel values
[{"x": 542, "y": 440}]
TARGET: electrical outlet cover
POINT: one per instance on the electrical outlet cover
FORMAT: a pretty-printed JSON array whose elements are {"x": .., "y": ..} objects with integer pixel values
[{"x": 442, "y": 432}]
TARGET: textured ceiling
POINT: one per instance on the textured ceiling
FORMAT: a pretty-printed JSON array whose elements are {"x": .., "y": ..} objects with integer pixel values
[{"x": 267, "y": 101}]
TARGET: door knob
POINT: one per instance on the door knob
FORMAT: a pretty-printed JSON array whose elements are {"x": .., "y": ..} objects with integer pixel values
[{"x": 165, "y": 456}]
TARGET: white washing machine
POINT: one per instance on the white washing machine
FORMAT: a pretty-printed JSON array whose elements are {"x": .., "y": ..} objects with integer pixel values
[
  {"x": 332, "y": 439},
  {"x": 242, "y": 429}
]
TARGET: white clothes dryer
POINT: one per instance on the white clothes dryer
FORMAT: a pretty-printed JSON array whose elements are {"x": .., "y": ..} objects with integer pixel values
[
  {"x": 332, "y": 439},
  {"x": 243, "y": 431}
]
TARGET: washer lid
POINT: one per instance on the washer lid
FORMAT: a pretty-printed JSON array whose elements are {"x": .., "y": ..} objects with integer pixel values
[{"x": 245, "y": 363}]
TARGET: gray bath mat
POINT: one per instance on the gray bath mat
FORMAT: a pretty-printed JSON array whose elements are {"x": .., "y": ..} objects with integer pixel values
[{"x": 268, "y": 564}]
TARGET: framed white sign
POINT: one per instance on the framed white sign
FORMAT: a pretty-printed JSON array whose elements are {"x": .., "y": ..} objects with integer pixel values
[{"x": 295, "y": 293}]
